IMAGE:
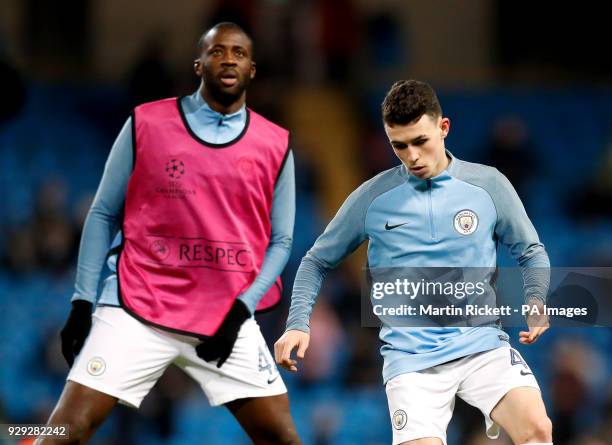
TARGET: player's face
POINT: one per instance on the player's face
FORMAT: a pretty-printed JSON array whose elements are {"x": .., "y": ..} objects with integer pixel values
[
  {"x": 226, "y": 65},
  {"x": 420, "y": 145}
]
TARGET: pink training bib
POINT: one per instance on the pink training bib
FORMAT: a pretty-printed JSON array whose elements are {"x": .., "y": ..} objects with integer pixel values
[{"x": 197, "y": 219}]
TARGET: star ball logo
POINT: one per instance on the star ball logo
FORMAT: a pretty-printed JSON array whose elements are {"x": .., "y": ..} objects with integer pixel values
[
  {"x": 175, "y": 168},
  {"x": 175, "y": 187}
]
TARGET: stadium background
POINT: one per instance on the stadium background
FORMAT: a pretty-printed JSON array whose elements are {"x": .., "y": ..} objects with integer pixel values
[{"x": 527, "y": 86}]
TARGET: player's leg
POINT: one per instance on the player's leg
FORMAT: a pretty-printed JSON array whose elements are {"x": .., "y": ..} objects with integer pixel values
[
  {"x": 521, "y": 413},
  {"x": 502, "y": 386},
  {"x": 421, "y": 405},
  {"x": 248, "y": 383},
  {"x": 266, "y": 420},
  {"x": 120, "y": 362},
  {"x": 83, "y": 409}
]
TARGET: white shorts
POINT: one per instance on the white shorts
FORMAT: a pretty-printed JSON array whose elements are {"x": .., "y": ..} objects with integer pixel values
[
  {"x": 421, "y": 403},
  {"x": 124, "y": 358}
]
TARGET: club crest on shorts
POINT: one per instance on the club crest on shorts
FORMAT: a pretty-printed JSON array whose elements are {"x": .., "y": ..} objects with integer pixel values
[
  {"x": 96, "y": 366},
  {"x": 399, "y": 419},
  {"x": 466, "y": 222}
]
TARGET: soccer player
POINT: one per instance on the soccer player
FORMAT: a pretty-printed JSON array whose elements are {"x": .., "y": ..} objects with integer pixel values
[
  {"x": 435, "y": 210},
  {"x": 203, "y": 191}
]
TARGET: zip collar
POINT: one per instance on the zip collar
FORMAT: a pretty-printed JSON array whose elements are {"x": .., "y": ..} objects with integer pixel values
[{"x": 444, "y": 175}]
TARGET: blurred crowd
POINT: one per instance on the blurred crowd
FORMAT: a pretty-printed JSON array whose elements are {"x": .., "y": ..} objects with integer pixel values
[{"x": 555, "y": 146}]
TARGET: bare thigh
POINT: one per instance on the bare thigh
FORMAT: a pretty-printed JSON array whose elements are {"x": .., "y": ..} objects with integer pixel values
[
  {"x": 266, "y": 420},
  {"x": 81, "y": 408}
]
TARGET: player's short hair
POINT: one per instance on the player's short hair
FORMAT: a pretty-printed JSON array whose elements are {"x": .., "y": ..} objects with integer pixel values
[
  {"x": 408, "y": 100},
  {"x": 224, "y": 25}
]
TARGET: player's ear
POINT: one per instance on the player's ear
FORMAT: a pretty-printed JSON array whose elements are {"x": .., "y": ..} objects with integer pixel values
[
  {"x": 253, "y": 69},
  {"x": 444, "y": 127},
  {"x": 197, "y": 67}
]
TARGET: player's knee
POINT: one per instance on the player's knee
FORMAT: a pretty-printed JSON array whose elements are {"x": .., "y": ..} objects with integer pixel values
[
  {"x": 537, "y": 430},
  {"x": 287, "y": 436}
]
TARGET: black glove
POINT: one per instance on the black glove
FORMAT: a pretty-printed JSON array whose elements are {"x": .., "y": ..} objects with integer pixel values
[
  {"x": 76, "y": 329},
  {"x": 220, "y": 345}
]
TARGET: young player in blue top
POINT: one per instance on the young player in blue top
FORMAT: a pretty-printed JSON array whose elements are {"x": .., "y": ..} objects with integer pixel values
[{"x": 434, "y": 210}]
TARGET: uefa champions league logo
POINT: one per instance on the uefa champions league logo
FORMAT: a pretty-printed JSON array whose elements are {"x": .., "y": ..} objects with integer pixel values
[
  {"x": 175, "y": 188},
  {"x": 175, "y": 168}
]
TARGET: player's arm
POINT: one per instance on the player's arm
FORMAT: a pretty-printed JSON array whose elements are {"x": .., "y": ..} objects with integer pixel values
[
  {"x": 100, "y": 227},
  {"x": 282, "y": 218},
  {"x": 341, "y": 237},
  {"x": 515, "y": 230}
]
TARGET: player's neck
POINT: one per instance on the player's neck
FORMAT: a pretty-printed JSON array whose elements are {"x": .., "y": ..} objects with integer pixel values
[
  {"x": 442, "y": 165},
  {"x": 220, "y": 107}
]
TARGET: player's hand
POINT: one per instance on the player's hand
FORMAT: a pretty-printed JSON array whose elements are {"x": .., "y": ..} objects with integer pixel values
[
  {"x": 538, "y": 323},
  {"x": 219, "y": 346},
  {"x": 76, "y": 329},
  {"x": 286, "y": 344}
]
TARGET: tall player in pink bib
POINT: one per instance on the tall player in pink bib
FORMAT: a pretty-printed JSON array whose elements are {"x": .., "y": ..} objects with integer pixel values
[{"x": 200, "y": 190}]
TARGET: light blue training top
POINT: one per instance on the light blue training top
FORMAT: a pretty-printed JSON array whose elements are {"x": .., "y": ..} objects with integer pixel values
[
  {"x": 101, "y": 229},
  {"x": 421, "y": 215}
]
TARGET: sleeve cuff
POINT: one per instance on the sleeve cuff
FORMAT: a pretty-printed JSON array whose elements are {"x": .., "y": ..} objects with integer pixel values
[{"x": 298, "y": 327}]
